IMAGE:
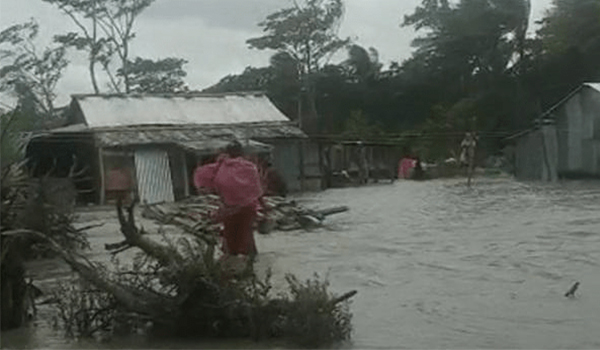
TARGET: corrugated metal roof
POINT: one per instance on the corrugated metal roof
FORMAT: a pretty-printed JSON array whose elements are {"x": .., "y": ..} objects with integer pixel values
[
  {"x": 149, "y": 135},
  {"x": 595, "y": 86},
  {"x": 128, "y": 110}
]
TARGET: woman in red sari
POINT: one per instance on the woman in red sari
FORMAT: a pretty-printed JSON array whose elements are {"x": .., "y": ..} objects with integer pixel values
[{"x": 237, "y": 181}]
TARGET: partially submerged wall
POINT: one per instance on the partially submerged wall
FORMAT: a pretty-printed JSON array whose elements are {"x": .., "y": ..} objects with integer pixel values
[
  {"x": 286, "y": 161},
  {"x": 578, "y": 130},
  {"x": 536, "y": 155}
]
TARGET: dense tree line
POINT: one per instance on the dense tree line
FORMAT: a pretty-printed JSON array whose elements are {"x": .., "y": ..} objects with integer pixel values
[{"x": 473, "y": 68}]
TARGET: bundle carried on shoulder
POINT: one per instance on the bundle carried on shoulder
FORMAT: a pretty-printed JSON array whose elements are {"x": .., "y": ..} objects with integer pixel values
[{"x": 235, "y": 179}]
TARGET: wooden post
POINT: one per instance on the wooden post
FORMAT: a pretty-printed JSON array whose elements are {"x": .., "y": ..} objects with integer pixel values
[
  {"x": 186, "y": 179},
  {"x": 301, "y": 161},
  {"x": 102, "y": 173},
  {"x": 301, "y": 142},
  {"x": 471, "y": 148}
]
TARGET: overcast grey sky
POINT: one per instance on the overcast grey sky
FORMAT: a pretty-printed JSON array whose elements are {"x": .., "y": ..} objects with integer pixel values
[{"x": 211, "y": 34}]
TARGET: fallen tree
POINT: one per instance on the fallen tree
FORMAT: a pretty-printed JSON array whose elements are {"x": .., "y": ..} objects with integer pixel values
[
  {"x": 182, "y": 289},
  {"x": 179, "y": 288},
  {"x": 28, "y": 208},
  {"x": 279, "y": 214}
]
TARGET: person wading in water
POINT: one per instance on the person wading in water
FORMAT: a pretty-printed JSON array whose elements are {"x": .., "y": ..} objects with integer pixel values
[{"x": 237, "y": 181}]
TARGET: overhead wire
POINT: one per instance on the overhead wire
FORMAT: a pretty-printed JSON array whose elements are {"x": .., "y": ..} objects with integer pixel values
[{"x": 391, "y": 138}]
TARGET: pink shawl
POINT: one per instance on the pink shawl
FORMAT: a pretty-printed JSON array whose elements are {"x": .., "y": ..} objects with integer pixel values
[
  {"x": 406, "y": 164},
  {"x": 235, "y": 179}
]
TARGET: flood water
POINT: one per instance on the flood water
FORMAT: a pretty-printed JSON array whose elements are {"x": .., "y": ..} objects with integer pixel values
[{"x": 436, "y": 265}]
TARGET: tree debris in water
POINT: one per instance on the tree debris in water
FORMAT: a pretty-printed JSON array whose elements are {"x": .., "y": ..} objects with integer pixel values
[
  {"x": 181, "y": 289},
  {"x": 193, "y": 214},
  {"x": 571, "y": 292},
  {"x": 28, "y": 209}
]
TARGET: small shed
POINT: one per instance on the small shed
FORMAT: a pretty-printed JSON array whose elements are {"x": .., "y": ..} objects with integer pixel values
[
  {"x": 566, "y": 140},
  {"x": 536, "y": 153},
  {"x": 152, "y": 143}
]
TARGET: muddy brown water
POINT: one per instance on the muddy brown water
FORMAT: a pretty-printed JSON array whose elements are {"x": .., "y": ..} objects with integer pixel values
[{"x": 436, "y": 265}]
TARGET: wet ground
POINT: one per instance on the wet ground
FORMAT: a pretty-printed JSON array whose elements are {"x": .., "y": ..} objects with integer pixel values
[{"x": 436, "y": 265}]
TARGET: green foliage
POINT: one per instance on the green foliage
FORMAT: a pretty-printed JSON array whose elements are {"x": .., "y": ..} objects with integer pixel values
[
  {"x": 363, "y": 65},
  {"x": 357, "y": 126},
  {"x": 312, "y": 319},
  {"x": 82, "y": 311},
  {"x": 305, "y": 34},
  {"x": 472, "y": 58},
  {"x": 148, "y": 76},
  {"x": 209, "y": 300},
  {"x": 105, "y": 34},
  {"x": 284, "y": 86},
  {"x": 251, "y": 79},
  {"x": 13, "y": 189},
  {"x": 467, "y": 43},
  {"x": 26, "y": 206},
  {"x": 28, "y": 74},
  {"x": 15, "y": 301},
  {"x": 306, "y": 31},
  {"x": 569, "y": 48},
  {"x": 13, "y": 125},
  {"x": 280, "y": 80},
  {"x": 21, "y": 211},
  {"x": 443, "y": 131},
  {"x": 571, "y": 24},
  {"x": 85, "y": 15}
]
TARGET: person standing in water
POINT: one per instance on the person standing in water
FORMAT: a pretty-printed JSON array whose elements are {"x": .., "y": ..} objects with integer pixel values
[{"x": 237, "y": 181}]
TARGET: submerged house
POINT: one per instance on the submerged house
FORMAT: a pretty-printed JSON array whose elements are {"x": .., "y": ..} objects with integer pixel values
[
  {"x": 566, "y": 141},
  {"x": 152, "y": 143}
]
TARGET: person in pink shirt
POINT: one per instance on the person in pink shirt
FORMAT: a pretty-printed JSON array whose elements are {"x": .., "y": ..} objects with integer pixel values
[
  {"x": 238, "y": 183},
  {"x": 405, "y": 167}
]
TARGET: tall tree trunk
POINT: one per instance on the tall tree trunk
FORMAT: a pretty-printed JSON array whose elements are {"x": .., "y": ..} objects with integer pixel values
[
  {"x": 13, "y": 285},
  {"x": 126, "y": 76},
  {"x": 93, "y": 54},
  {"x": 312, "y": 125},
  {"x": 125, "y": 58},
  {"x": 93, "y": 75}
]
